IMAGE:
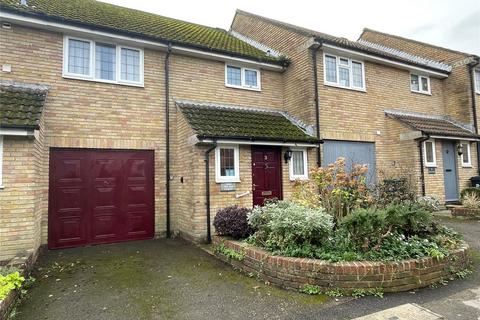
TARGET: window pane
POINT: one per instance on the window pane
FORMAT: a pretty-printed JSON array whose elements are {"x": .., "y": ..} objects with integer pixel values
[
  {"x": 344, "y": 62},
  {"x": 251, "y": 78},
  {"x": 105, "y": 61},
  {"x": 344, "y": 76},
  {"x": 477, "y": 80},
  {"x": 465, "y": 155},
  {"x": 79, "y": 57},
  {"x": 234, "y": 76},
  {"x": 357, "y": 75},
  {"x": 297, "y": 162},
  {"x": 130, "y": 65},
  {"x": 227, "y": 162},
  {"x": 429, "y": 151},
  {"x": 331, "y": 69},
  {"x": 414, "y": 82},
  {"x": 424, "y": 84}
]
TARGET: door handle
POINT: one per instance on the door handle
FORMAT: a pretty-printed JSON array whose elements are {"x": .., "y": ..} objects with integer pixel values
[{"x": 448, "y": 170}]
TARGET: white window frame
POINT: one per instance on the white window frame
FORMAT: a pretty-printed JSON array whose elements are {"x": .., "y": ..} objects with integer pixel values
[
  {"x": 350, "y": 61},
  {"x": 1, "y": 162},
  {"x": 303, "y": 176},
  {"x": 236, "y": 156},
  {"x": 432, "y": 164},
  {"x": 242, "y": 78},
  {"x": 428, "y": 92},
  {"x": 469, "y": 163},
  {"x": 91, "y": 75},
  {"x": 477, "y": 83}
]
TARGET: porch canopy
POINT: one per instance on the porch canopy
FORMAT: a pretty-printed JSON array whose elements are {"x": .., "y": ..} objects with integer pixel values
[
  {"x": 432, "y": 126},
  {"x": 244, "y": 125}
]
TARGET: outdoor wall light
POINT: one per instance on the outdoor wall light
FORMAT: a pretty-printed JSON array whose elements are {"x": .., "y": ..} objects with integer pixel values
[
  {"x": 287, "y": 155},
  {"x": 460, "y": 149}
]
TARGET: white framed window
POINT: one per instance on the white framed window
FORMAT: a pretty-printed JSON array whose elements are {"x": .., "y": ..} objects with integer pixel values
[
  {"x": 420, "y": 84},
  {"x": 1, "y": 162},
  {"x": 344, "y": 72},
  {"x": 227, "y": 163},
  {"x": 466, "y": 155},
  {"x": 429, "y": 157},
  {"x": 103, "y": 62},
  {"x": 477, "y": 81},
  {"x": 298, "y": 165},
  {"x": 241, "y": 77}
]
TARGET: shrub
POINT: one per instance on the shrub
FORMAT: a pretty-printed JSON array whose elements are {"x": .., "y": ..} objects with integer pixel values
[
  {"x": 10, "y": 282},
  {"x": 429, "y": 203},
  {"x": 395, "y": 190},
  {"x": 232, "y": 221},
  {"x": 286, "y": 225},
  {"x": 471, "y": 200},
  {"x": 339, "y": 190},
  {"x": 409, "y": 219},
  {"x": 466, "y": 191}
]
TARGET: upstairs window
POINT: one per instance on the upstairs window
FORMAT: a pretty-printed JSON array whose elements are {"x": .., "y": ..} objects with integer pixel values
[
  {"x": 419, "y": 84},
  {"x": 103, "y": 62},
  {"x": 344, "y": 72},
  {"x": 227, "y": 162},
  {"x": 430, "y": 159},
  {"x": 477, "y": 81},
  {"x": 240, "y": 77},
  {"x": 298, "y": 165}
]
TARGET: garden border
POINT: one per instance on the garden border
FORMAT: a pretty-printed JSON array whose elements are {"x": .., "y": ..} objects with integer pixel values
[{"x": 295, "y": 273}]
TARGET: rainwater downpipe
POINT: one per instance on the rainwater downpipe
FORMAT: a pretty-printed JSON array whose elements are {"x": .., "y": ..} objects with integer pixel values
[
  {"x": 317, "y": 97},
  {"x": 167, "y": 135},
  {"x": 207, "y": 189},
  {"x": 471, "y": 69},
  {"x": 422, "y": 169}
]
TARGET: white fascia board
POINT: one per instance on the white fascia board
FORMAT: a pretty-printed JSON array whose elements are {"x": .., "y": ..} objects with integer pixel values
[
  {"x": 16, "y": 132},
  {"x": 128, "y": 40},
  {"x": 368, "y": 57},
  {"x": 263, "y": 143},
  {"x": 455, "y": 138}
]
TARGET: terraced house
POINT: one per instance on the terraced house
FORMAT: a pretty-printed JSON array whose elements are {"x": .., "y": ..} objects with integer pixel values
[{"x": 119, "y": 125}]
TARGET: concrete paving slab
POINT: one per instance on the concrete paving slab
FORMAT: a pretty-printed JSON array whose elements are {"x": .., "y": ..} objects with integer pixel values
[{"x": 409, "y": 311}]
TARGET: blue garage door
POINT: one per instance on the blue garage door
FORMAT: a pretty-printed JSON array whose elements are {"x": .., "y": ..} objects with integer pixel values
[{"x": 353, "y": 152}]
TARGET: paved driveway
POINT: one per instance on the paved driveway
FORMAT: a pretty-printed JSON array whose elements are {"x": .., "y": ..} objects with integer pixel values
[{"x": 170, "y": 279}]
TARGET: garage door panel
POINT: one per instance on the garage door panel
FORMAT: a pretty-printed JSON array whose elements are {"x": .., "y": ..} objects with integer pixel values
[{"x": 99, "y": 190}]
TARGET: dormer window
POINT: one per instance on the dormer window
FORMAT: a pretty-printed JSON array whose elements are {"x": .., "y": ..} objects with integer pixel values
[
  {"x": 241, "y": 77},
  {"x": 420, "y": 84}
]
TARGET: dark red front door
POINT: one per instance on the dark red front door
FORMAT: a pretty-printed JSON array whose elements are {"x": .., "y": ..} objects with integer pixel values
[
  {"x": 266, "y": 174},
  {"x": 99, "y": 196}
]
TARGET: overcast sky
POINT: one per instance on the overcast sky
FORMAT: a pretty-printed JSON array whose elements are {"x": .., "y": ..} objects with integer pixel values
[{"x": 454, "y": 24}]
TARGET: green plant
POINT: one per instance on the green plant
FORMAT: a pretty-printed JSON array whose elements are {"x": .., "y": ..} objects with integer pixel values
[
  {"x": 310, "y": 289},
  {"x": 471, "y": 190},
  {"x": 10, "y": 282},
  {"x": 334, "y": 293},
  {"x": 360, "y": 293},
  {"x": 471, "y": 200},
  {"x": 396, "y": 188},
  {"x": 282, "y": 225},
  {"x": 428, "y": 203},
  {"x": 229, "y": 253},
  {"x": 340, "y": 190}
]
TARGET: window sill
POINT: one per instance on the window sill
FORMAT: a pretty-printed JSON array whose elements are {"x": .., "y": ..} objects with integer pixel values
[
  {"x": 243, "y": 88},
  {"x": 293, "y": 179},
  {"x": 467, "y": 166},
  {"x": 420, "y": 92},
  {"x": 2, "y": 187},
  {"x": 346, "y": 88},
  {"x": 228, "y": 181},
  {"x": 430, "y": 166},
  {"x": 73, "y": 77}
]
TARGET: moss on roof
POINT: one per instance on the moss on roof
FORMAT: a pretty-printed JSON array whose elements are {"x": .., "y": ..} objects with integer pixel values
[
  {"x": 20, "y": 107},
  {"x": 139, "y": 23},
  {"x": 217, "y": 121}
]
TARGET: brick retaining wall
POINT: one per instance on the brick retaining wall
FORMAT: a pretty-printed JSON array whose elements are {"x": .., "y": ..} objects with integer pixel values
[{"x": 294, "y": 273}]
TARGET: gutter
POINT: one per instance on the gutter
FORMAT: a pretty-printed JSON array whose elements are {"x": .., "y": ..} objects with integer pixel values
[
  {"x": 317, "y": 101},
  {"x": 422, "y": 169},
  {"x": 167, "y": 135},
  {"x": 471, "y": 69},
  {"x": 207, "y": 189}
]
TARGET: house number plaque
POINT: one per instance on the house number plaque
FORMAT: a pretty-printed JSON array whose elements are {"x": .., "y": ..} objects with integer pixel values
[
  {"x": 227, "y": 186},
  {"x": 266, "y": 193}
]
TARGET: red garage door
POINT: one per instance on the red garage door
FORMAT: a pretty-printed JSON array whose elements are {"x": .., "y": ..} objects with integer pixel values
[{"x": 99, "y": 196}]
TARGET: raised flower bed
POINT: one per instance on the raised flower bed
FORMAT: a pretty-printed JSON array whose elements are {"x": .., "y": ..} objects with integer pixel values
[{"x": 295, "y": 273}]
